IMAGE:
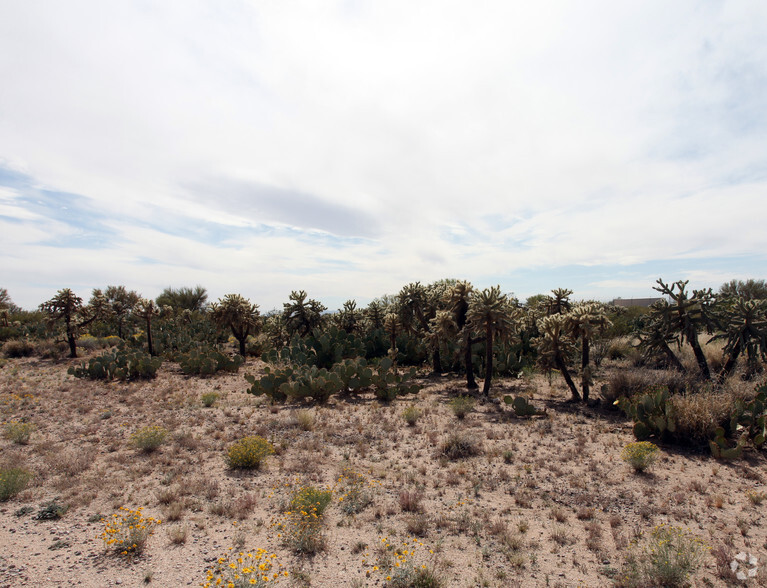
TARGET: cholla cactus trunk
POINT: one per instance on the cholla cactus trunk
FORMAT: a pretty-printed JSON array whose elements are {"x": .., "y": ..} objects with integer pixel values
[
  {"x": 471, "y": 383},
  {"x": 562, "y": 367},
  {"x": 692, "y": 338},
  {"x": 585, "y": 375},
  {"x": 149, "y": 333},
  {"x": 488, "y": 359},
  {"x": 71, "y": 337}
]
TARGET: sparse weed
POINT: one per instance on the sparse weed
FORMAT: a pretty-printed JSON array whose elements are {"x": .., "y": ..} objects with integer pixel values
[
  {"x": 13, "y": 481},
  {"x": 209, "y": 399},
  {"x": 461, "y": 406},
  {"x": 18, "y": 431},
  {"x": 411, "y": 415}
]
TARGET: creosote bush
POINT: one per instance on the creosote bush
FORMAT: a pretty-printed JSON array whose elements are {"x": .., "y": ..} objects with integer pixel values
[
  {"x": 148, "y": 439},
  {"x": 640, "y": 455},
  {"x": 248, "y": 453},
  {"x": 12, "y": 481}
]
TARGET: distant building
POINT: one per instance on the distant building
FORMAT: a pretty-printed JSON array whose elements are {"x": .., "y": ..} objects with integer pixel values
[{"x": 629, "y": 302}]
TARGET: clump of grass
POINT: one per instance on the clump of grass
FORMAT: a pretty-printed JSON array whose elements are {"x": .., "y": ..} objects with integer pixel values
[
  {"x": 410, "y": 501},
  {"x": 13, "y": 481},
  {"x": 461, "y": 406},
  {"x": 411, "y": 415},
  {"x": 305, "y": 420},
  {"x": 404, "y": 566},
  {"x": 667, "y": 557},
  {"x": 178, "y": 534},
  {"x": 148, "y": 439},
  {"x": 640, "y": 455},
  {"x": 127, "y": 531},
  {"x": 355, "y": 493},
  {"x": 18, "y": 431},
  {"x": 248, "y": 453},
  {"x": 18, "y": 348},
  {"x": 209, "y": 399},
  {"x": 257, "y": 568},
  {"x": 459, "y": 446}
]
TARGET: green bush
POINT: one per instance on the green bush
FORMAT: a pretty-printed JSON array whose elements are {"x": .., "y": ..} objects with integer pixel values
[
  {"x": 13, "y": 481},
  {"x": 461, "y": 406},
  {"x": 248, "y": 453},
  {"x": 640, "y": 455},
  {"x": 311, "y": 499},
  {"x": 209, "y": 399},
  {"x": 411, "y": 415},
  {"x": 148, "y": 439}
]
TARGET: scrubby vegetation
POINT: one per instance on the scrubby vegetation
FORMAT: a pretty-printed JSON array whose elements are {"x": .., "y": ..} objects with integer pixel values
[{"x": 383, "y": 453}]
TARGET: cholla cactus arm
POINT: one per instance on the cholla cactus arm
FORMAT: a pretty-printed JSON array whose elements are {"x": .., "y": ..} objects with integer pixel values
[{"x": 559, "y": 303}]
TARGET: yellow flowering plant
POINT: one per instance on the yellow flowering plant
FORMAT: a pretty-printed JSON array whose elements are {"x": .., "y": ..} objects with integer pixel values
[
  {"x": 248, "y": 453},
  {"x": 256, "y": 568},
  {"x": 126, "y": 532},
  {"x": 640, "y": 455},
  {"x": 405, "y": 565}
]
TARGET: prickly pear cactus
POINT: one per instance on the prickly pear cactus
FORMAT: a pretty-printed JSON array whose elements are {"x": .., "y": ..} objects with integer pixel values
[{"x": 522, "y": 406}]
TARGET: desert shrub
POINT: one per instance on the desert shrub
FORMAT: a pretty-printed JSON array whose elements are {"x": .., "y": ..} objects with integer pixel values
[
  {"x": 13, "y": 481},
  {"x": 209, "y": 399},
  {"x": 49, "y": 349},
  {"x": 18, "y": 348},
  {"x": 640, "y": 455},
  {"x": 411, "y": 415},
  {"x": 404, "y": 566},
  {"x": 248, "y": 453},
  {"x": 51, "y": 511},
  {"x": 305, "y": 420},
  {"x": 89, "y": 343},
  {"x": 461, "y": 406},
  {"x": 302, "y": 527},
  {"x": 667, "y": 557},
  {"x": 118, "y": 364},
  {"x": 18, "y": 432},
  {"x": 127, "y": 532},
  {"x": 697, "y": 416},
  {"x": 257, "y": 568},
  {"x": 148, "y": 439},
  {"x": 630, "y": 382},
  {"x": 354, "y": 491},
  {"x": 459, "y": 446}
]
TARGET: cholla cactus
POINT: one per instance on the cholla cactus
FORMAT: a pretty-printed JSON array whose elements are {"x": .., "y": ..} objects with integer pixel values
[
  {"x": 147, "y": 310},
  {"x": 492, "y": 313},
  {"x": 392, "y": 326},
  {"x": 585, "y": 321},
  {"x": 68, "y": 307},
  {"x": 458, "y": 302},
  {"x": 302, "y": 315},
  {"x": 239, "y": 315},
  {"x": 554, "y": 345},
  {"x": 744, "y": 323}
]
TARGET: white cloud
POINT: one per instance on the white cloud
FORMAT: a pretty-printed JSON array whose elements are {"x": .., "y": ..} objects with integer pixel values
[{"x": 460, "y": 140}]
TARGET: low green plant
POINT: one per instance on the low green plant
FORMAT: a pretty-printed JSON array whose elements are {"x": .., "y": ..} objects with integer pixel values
[
  {"x": 18, "y": 431},
  {"x": 302, "y": 528},
  {"x": 51, "y": 511},
  {"x": 13, "y": 481},
  {"x": 205, "y": 361},
  {"x": 209, "y": 399},
  {"x": 118, "y": 364},
  {"x": 667, "y": 557},
  {"x": 127, "y": 532},
  {"x": 354, "y": 491},
  {"x": 640, "y": 455},
  {"x": 461, "y": 406},
  {"x": 406, "y": 566},
  {"x": 248, "y": 453},
  {"x": 148, "y": 439},
  {"x": 411, "y": 415},
  {"x": 245, "y": 570}
]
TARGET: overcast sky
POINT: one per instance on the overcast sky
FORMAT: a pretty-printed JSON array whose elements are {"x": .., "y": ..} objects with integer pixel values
[{"x": 347, "y": 148}]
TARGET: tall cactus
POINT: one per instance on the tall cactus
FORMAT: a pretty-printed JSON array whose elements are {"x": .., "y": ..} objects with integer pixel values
[
  {"x": 554, "y": 345},
  {"x": 68, "y": 307},
  {"x": 147, "y": 309},
  {"x": 459, "y": 304},
  {"x": 492, "y": 313},
  {"x": 239, "y": 315},
  {"x": 744, "y": 325},
  {"x": 585, "y": 321},
  {"x": 302, "y": 315}
]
